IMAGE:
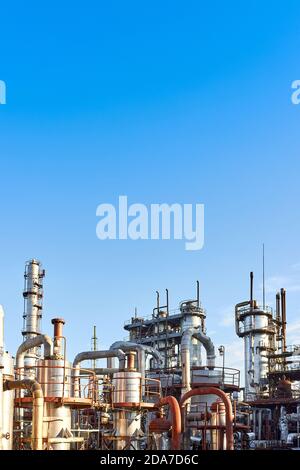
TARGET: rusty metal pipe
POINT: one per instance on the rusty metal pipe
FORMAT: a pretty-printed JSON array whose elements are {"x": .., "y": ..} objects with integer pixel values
[
  {"x": 131, "y": 361},
  {"x": 58, "y": 327},
  {"x": 228, "y": 408},
  {"x": 38, "y": 407},
  {"x": 176, "y": 419}
]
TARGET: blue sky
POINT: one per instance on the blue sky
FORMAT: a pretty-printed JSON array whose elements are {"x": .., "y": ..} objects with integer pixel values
[{"x": 184, "y": 102}]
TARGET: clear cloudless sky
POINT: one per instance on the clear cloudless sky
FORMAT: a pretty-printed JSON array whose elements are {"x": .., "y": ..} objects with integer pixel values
[{"x": 173, "y": 101}]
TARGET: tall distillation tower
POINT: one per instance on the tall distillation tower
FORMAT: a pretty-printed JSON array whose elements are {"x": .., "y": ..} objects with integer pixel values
[
  {"x": 33, "y": 305},
  {"x": 258, "y": 328}
]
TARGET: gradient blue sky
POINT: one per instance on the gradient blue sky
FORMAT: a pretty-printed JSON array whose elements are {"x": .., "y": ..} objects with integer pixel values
[{"x": 170, "y": 101}]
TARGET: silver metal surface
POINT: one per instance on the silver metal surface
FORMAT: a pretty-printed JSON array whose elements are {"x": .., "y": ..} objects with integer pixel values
[
  {"x": 7, "y": 404},
  {"x": 126, "y": 387},
  {"x": 55, "y": 376}
]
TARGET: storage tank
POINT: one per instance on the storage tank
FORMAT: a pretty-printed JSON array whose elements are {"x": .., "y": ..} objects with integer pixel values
[{"x": 126, "y": 396}]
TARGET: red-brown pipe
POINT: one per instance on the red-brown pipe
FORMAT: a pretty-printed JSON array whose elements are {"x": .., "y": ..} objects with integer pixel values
[
  {"x": 58, "y": 327},
  {"x": 228, "y": 408},
  {"x": 176, "y": 419}
]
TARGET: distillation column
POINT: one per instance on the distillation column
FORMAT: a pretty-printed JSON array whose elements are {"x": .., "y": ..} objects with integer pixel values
[
  {"x": 258, "y": 329},
  {"x": 33, "y": 304}
]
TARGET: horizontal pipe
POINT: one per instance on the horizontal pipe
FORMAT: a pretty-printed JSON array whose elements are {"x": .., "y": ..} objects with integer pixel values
[
  {"x": 101, "y": 371},
  {"x": 93, "y": 355},
  {"x": 38, "y": 406}
]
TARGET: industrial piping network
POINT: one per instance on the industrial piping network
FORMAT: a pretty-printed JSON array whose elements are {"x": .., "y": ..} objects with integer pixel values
[{"x": 160, "y": 394}]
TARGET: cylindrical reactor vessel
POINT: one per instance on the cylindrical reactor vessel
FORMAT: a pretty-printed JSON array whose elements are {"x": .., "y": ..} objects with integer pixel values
[
  {"x": 55, "y": 377},
  {"x": 7, "y": 405},
  {"x": 259, "y": 339},
  {"x": 126, "y": 397}
]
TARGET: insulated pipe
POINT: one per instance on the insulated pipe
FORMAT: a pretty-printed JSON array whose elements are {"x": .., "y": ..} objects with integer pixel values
[
  {"x": 141, "y": 350},
  {"x": 228, "y": 408},
  {"x": 93, "y": 355},
  {"x": 102, "y": 371},
  {"x": 185, "y": 359},
  {"x": 38, "y": 405},
  {"x": 208, "y": 346},
  {"x": 30, "y": 344},
  {"x": 176, "y": 419},
  {"x": 185, "y": 354}
]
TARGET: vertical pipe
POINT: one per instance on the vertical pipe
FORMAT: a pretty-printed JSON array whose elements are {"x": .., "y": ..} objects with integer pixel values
[
  {"x": 131, "y": 361},
  {"x": 251, "y": 289},
  {"x": 58, "y": 334},
  {"x": 176, "y": 419},
  {"x": 278, "y": 317},
  {"x": 198, "y": 294},
  {"x": 264, "y": 287},
  {"x": 283, "y": 315},
  {"x": 228, "y": 408},
  {"x": 38, "y": 406},
  {"x": 157, "y": 302},
  {"x": 278, "y": 320},
  {"x": 167, "y": 295},
  {"x": 1, "y": 368}
]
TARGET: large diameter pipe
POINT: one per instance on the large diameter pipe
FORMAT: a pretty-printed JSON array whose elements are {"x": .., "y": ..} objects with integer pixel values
[
  {"x": 185, "y": 360},
  {"x": 100, "y": 371},
  {"x": 185, "y": 354},
  {"x": 208, "y": 346},
  {"x": 129, "y": 346},
  {"x": 176, "y": 419},
  {"x": 141, "y": 351},
  {"x": 93, "y": 355},
  {"x": 228, "y": 408},
  {"x": 31, "y": 343},
  {"x": 38, "y": 406}
]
